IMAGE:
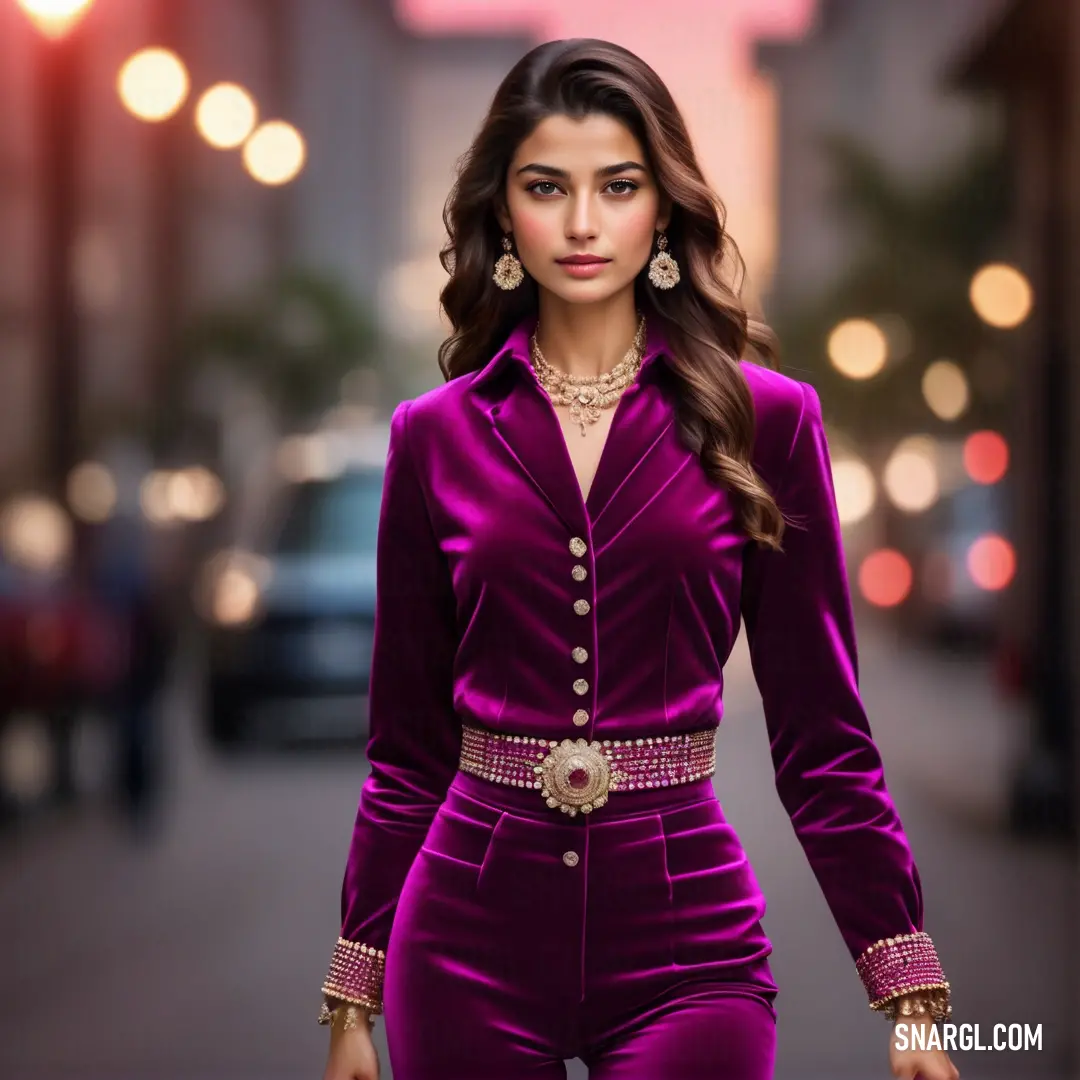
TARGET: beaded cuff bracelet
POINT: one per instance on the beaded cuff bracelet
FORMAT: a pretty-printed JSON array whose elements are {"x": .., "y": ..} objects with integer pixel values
[
  {"x": 895, "y": 967},
  {"x": 356, "y": 974}
]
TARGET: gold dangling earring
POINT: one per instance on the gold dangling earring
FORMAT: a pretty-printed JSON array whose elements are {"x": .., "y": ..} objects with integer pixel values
[
  {"x": 663, "y": 269},
  {"x": 509, "y": 272}
]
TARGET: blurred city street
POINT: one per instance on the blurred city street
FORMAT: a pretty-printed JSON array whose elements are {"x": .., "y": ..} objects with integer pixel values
[{"x": 198, "y": 956}]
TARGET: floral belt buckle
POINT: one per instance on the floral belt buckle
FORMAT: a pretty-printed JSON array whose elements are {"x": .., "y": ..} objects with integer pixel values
[{"x": 576, "y": 776}]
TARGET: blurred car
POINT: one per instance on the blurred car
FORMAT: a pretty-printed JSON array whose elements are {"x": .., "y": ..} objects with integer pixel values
[{"x": 291, "y": 634}]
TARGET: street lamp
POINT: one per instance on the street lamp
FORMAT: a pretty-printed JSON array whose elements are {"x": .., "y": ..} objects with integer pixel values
[
  {"x": 57, "y": 70},
  {"x": 57, "y": 99},
  {"x": 275, "y": 153},
  {"x": 54, "y": 18},
  {"x": 153, "y": 84},
  {"x": 858, "y": 348},
  {"x": 1001, "y": 295},
  {"x": 226, "y": 116}
]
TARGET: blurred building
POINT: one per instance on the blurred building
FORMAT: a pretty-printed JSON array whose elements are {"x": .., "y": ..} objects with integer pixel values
[
  {"x": 165, "y": 224},
  {"x": 871, "y": 72},
  {"x": 919, "y": 84},
  {"x": 1028, "y": 63},
  {"x": 451, "y": 81}
]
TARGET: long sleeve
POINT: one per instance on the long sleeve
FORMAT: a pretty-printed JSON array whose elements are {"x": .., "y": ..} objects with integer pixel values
[
  {"x": 415, "y": 734},
  {"x": 797, "y": 610}
]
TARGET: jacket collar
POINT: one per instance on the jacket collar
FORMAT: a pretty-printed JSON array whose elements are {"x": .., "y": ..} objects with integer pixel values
[
  {"x": 515, "y": 350},
  {"x": 524, "y": 421}
]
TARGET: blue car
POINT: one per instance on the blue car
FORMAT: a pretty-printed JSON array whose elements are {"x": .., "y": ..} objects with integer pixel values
[{"x": 291, "y": 633}]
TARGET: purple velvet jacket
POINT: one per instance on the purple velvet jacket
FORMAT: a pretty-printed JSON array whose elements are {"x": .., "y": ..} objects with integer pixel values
[{"x": 475, "y": 612}]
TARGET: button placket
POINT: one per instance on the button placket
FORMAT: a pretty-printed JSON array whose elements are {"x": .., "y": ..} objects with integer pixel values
[{"x": 582, "y": 607}]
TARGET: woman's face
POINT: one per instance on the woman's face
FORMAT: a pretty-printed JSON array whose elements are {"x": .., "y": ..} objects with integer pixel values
[{"x": 582, "y": 187}]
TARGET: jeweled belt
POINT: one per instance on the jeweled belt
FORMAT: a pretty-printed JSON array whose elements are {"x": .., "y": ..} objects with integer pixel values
[{"x": 576, "y": 774}]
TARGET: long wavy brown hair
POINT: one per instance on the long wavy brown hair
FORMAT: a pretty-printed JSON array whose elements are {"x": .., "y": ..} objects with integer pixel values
[{"x": 707, "y": 328}]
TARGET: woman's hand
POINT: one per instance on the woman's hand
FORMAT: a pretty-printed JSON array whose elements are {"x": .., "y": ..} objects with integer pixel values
[
  {"x": 352, "y": 1054},
  {"x": 915, "y": 1063}
]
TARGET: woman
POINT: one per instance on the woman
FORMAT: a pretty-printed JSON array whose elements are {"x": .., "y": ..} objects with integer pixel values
[{"x": 571, "y": 529}]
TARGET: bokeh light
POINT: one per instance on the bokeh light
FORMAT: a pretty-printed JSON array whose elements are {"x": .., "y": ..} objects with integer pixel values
[
  {"x": 885, "y": 578},
  {"x": 1001, "y": 295},
  {"x": 55, "y": 17},
  {"x": 986, "y": 456},
  {"x": 27, "y": 760},
  {"x": 309, "y": 457},
  {"x": 171, "y": 496},
  {"x": 991, "y": 562},
  {"x": 275, "y": 153},
  {"x": 91, "y": 492},
  {"x": 858, "y": 348},
  {"x": 856, "y": 491},
  {"x": 154, "y": 498},
  {"x": 230, "y": 589},
  {"x": 153, "y": 84},
  {"x": 911, "y": 478},
  {"x": 945, "y": 389},
  {"x": 36, "y": 533},
  {"x": 236, "y": 597},
  {"x": 194, "y": 494},
  {"x": 226, "y": 116}
]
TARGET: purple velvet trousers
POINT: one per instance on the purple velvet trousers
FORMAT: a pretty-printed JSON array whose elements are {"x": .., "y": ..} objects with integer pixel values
[{"x": 628, "y": 937}]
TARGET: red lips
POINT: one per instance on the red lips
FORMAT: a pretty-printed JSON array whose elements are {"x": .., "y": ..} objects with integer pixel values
[{"x": 581, "y": 260}]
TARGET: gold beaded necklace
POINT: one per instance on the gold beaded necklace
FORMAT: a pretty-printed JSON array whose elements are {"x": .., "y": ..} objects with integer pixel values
[{"x": 588, "y": 394}]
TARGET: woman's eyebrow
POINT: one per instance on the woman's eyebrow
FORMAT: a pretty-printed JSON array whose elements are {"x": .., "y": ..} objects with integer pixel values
[{"x": 562, "y": 174}]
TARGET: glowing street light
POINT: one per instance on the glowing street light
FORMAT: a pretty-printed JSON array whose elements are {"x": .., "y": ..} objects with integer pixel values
[
  {"x": 59, "y": 91},
  {"x": 54, "y": 18},
  {"x": 153, "y": 84},
  {"x": 1001, "y": 295},
  {"x": 91, "y": 492},
  {"x": 275, "y": 153},
  {"x": 945, "y": 388},
  {"x": 856, "y": 491},
  {"x": 986, "y": 456},
  {"x": 36, "y": 532},
  {"x": 225, "y": 116},
  {"x": 911, "y": 475},
  {"x": 858, "y": 348},
  {"x": 991, "y": 562},
  {"x": 885, "y": 578}
]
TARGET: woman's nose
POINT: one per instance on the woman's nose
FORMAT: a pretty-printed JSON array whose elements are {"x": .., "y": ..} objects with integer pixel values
[{"x": 582, "y": 218}]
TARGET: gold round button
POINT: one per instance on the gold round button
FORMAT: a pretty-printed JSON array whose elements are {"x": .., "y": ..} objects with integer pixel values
[
  {"x": 579, "y": 573},
  {"x": 581, "y": 717},
  {"x": 582, "y": 607},
  {"x": 581, "y": 686},
  {"x": 570, "y": 858},
  {"x": 580, "y": 655},
  {"x": 577, "y": 546}
]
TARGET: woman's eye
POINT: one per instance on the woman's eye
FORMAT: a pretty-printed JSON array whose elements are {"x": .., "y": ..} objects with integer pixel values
[
  {"x": 549, "y": 187},
  {"x": 537, "y": 184}
]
